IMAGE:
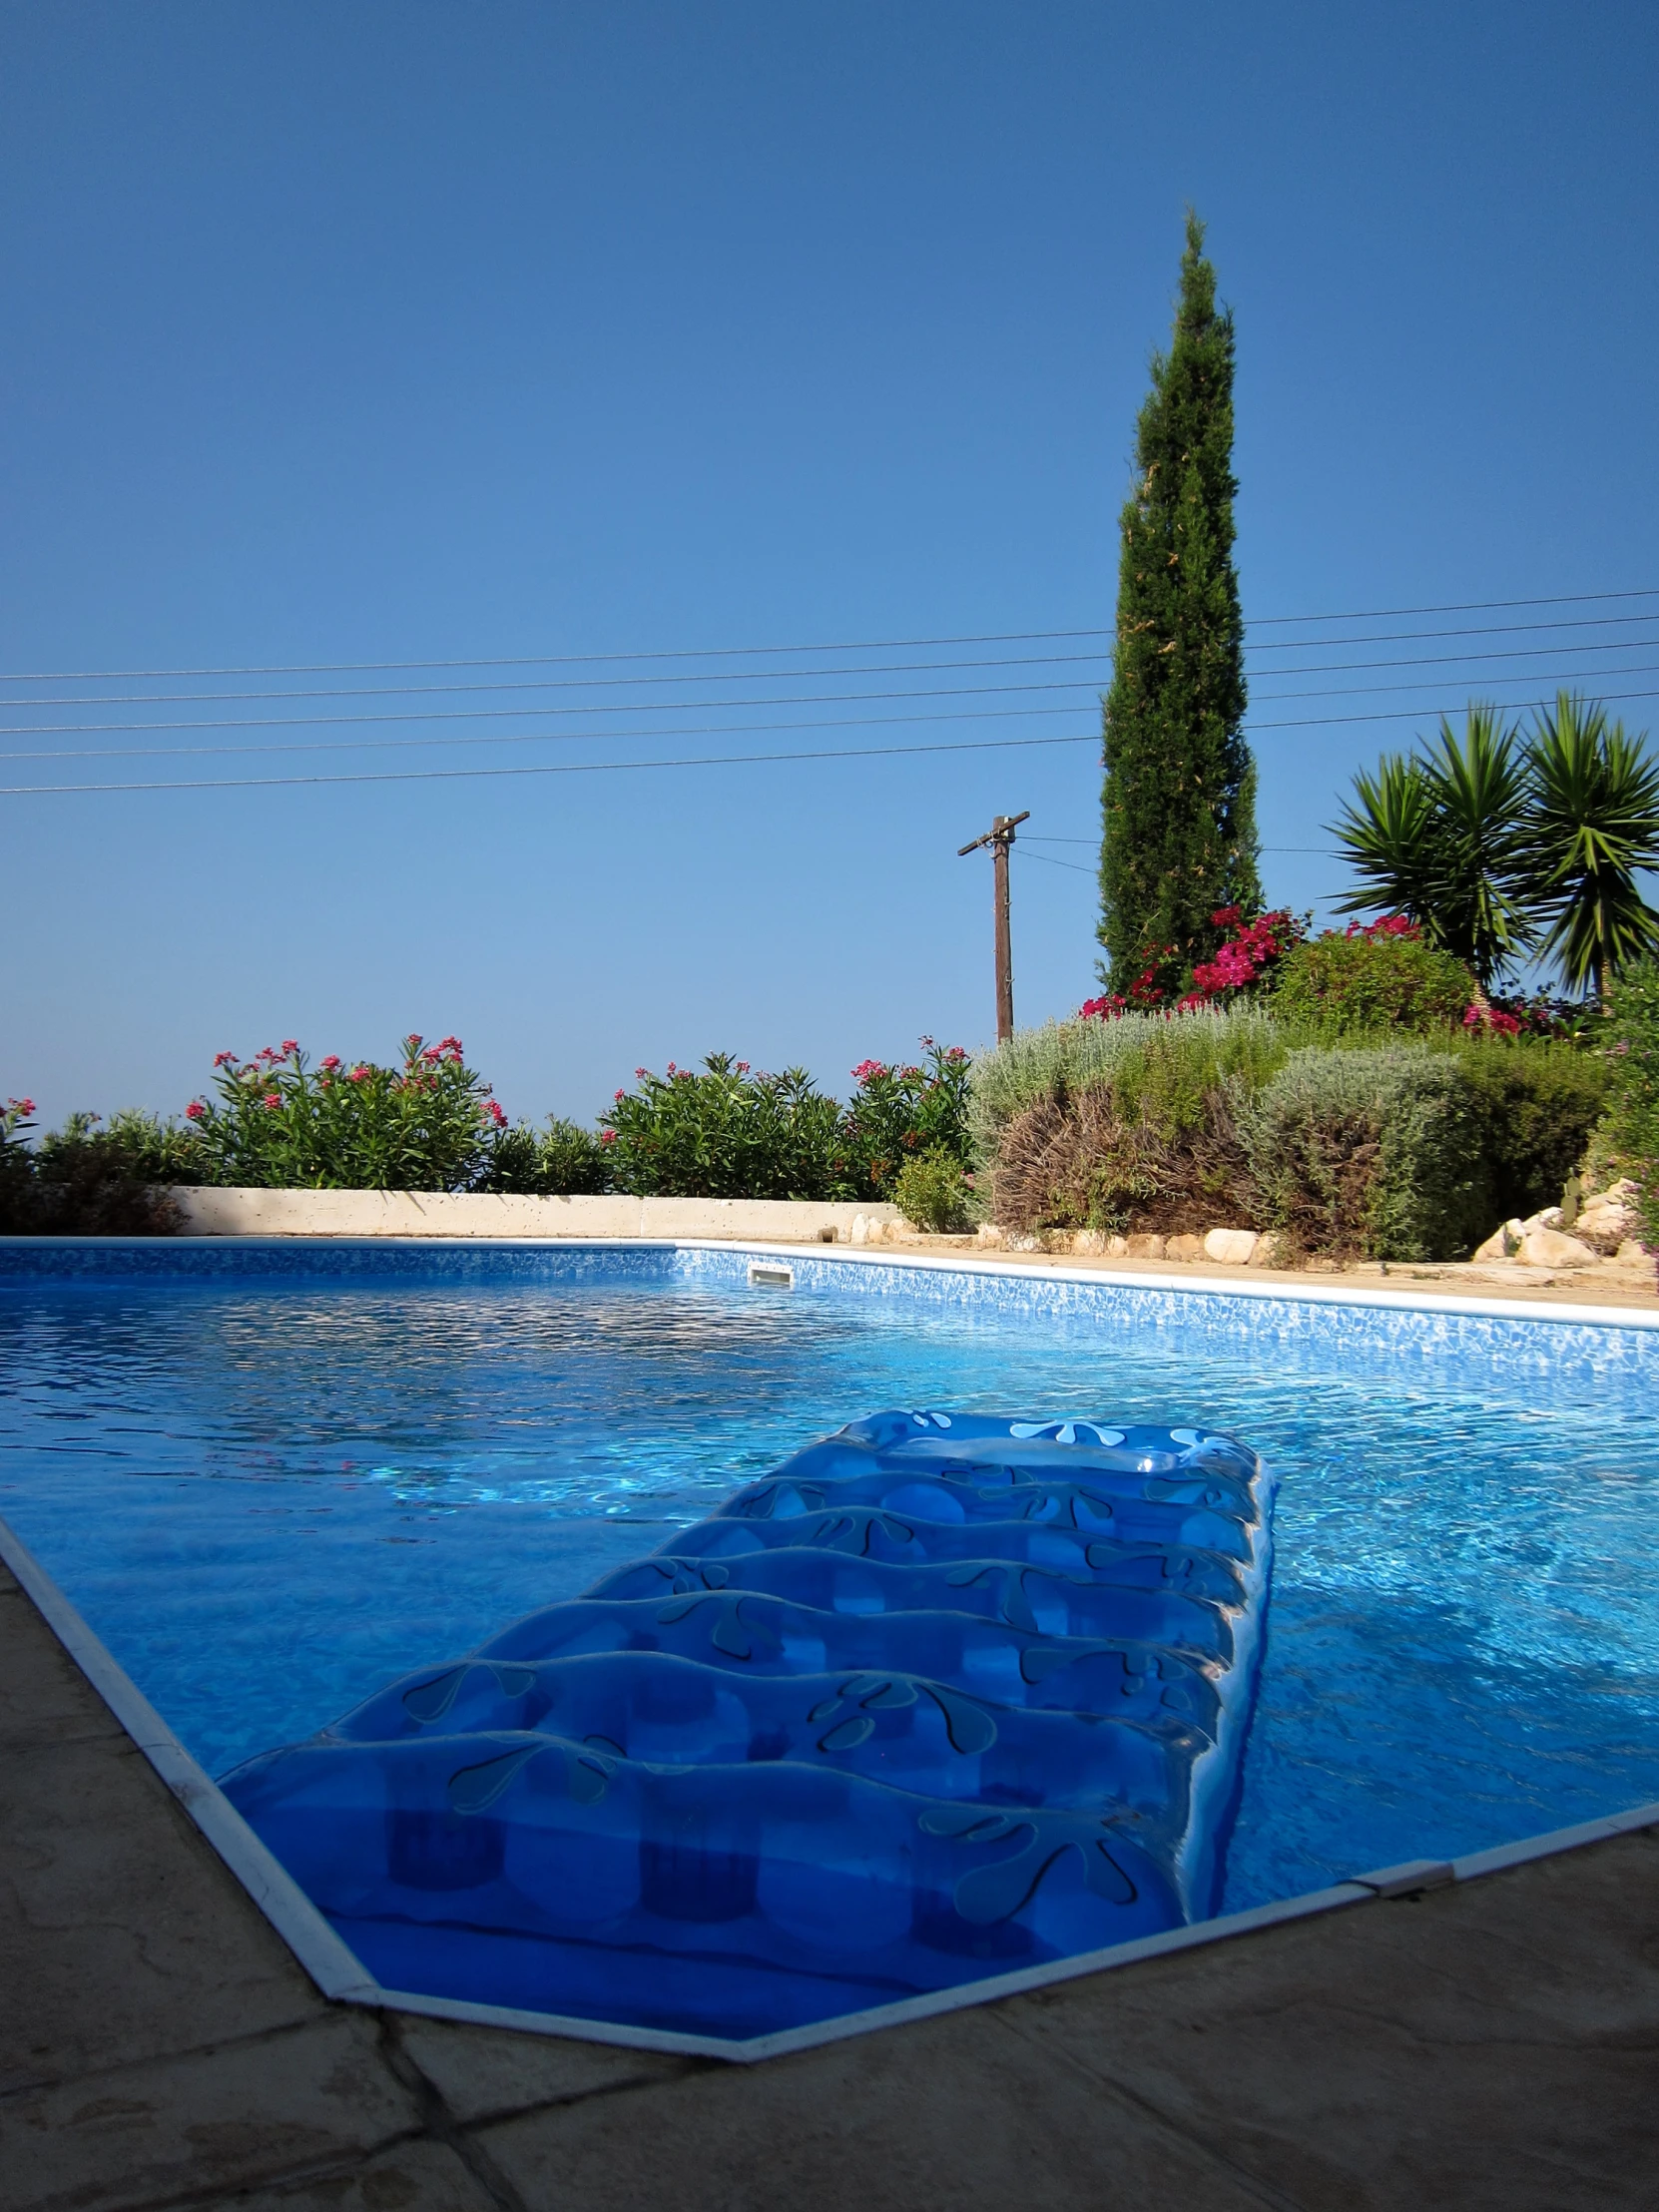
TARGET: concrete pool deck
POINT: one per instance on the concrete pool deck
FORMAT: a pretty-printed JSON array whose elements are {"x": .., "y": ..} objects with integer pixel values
[{"x": 1489, "y": 2043}]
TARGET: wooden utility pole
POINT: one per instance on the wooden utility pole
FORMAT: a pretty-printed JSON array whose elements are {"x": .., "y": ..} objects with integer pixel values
[{"x": 999, "y": 836}]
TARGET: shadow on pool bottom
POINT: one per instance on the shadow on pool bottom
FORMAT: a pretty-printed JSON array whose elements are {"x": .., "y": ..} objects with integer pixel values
[{"x": 949, "y": 1696}]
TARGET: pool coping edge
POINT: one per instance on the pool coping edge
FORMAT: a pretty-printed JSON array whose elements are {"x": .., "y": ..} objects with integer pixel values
[{"x": 340, "y": 1976}]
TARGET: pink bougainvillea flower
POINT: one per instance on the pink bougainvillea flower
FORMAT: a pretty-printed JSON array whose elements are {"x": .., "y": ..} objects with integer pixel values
[{"x": 194, "y": 1110}]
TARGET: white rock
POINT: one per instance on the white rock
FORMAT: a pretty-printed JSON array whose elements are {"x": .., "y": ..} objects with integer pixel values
[
  {"x": 1234, "y": 1248},
  {"x": 1633, "y": 1253},
  {"x": 860, "y": 1228},
  {"x": 1548, "y": 1248},
  {"x": 1117, "y": 1248},
  {"x": 1184, "y": 1248},
  {"x": 1503, "y": 1243},
  {"x": 989, "y": 1235},
  {"x": 1088, "y": 1242}
]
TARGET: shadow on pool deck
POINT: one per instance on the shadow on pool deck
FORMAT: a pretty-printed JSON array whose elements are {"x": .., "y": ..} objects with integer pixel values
[{"x": 1492, "y": 2044}]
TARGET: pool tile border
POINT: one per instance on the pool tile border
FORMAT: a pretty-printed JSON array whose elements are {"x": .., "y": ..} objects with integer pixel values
[{"x": 335, "y": 1969}]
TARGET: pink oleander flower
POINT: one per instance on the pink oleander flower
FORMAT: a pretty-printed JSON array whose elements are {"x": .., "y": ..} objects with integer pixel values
[
  {"x": 272, "y": 1098},
  {"x": 870, "y": 1071},
  {"x": 331, "y": 1063},
  {"x": 224, "y": 1059},
  {"x": 742, "y": 1067},
  {"x": 194, "y": 1110},
  {"x": 640, "y": 1074},
  {"x": 359, "y": 1074},
  {"x": 607, "y": 1136},
  {"x": 21, "y": 1105},
  {"x": 290, "y": 1044},
  {"x": 956, "y": 1053},
  {"x": 619, "y": 1096},
  {"x": 492, "y": 1113}
]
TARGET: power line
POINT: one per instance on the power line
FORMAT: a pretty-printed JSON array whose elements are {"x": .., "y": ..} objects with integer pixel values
[
  {"x": 756, "y": 652},
  {"x": 569, "y": 683},
  {"x": 895, "y": 668},
  {"x": 700, "y": 730},
  {"x": 733, "y": 760},
  {"x": 554, "y": 767},
  {"x": 507, "y": 714},
  {"x": 892, "y": 667},
  {"x": 1454, "y": 607},
  {"x": 529, "y": 737}
]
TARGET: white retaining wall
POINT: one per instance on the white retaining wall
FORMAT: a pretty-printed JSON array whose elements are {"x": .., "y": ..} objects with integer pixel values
[{"x": 246, "y": 1213}]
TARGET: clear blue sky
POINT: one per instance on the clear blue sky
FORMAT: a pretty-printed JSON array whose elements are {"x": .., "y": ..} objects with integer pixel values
[{"x": 415, "y": 332}]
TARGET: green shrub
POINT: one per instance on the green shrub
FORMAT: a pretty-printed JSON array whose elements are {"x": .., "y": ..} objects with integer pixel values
[
  {"x": 278, "y": 1124},
  {"x": 1160, "y": 1068},
  {"x": 1357, "y": 984},
  {"x": 564, "y": 1160},
  {"x": 83, "y": 1181},
  {"x": 729, "y": 1133},
  {"x": 1124, "y": 1122},
  {"x": 725, "y": 1133},
  {"x": 1369, "y": 1153},
  {"x": 899, "y": 1113},
  {"x": 1539, "y": 1105},
  {"x": 1631, "y": 1134},
  {"x": 932, "y": 1192}
]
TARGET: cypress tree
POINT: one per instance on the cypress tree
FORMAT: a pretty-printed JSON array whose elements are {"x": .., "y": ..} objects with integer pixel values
[{"x": 1179, "y": 805}]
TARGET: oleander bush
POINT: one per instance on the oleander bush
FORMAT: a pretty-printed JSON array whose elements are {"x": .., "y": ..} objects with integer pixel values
[
  {"x": 562, "y": 1160},
  {"x": 726, "y": 1130},
  {"x": 277, "y": 1123}
]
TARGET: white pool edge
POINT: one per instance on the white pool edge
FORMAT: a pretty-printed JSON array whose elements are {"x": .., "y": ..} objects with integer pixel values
[{"x": 342, "y": 1978}]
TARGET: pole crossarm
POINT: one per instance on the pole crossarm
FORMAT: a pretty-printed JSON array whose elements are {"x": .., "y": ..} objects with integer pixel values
[{"x": 1001, "y": 832}]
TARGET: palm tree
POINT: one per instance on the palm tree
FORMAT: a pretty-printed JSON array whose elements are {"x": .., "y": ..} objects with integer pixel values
[
  {"x": 1441, "y": 839},
  {"x": 1386, "y": 838},
  {"x": 1593, "y": 821}
]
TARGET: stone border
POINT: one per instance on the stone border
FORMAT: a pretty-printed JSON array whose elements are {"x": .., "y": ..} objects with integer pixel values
[
  {"x": 210, "y": 1212},
  {"x": 341, "y": 1978}
]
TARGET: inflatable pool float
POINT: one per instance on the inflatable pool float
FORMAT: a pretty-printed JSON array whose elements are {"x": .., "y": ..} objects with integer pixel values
[{"x": 947, "y": 1696}]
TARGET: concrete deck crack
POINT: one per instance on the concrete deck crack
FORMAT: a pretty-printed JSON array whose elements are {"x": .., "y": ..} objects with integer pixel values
[{"x": 439, "y": 2123}]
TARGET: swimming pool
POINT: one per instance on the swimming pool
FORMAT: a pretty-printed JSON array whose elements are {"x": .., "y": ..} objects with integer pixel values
[{"x": 274, "y": 1477}]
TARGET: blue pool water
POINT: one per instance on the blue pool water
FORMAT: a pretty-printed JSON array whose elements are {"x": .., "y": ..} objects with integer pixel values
[{"x": 273, "y": 1485}]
